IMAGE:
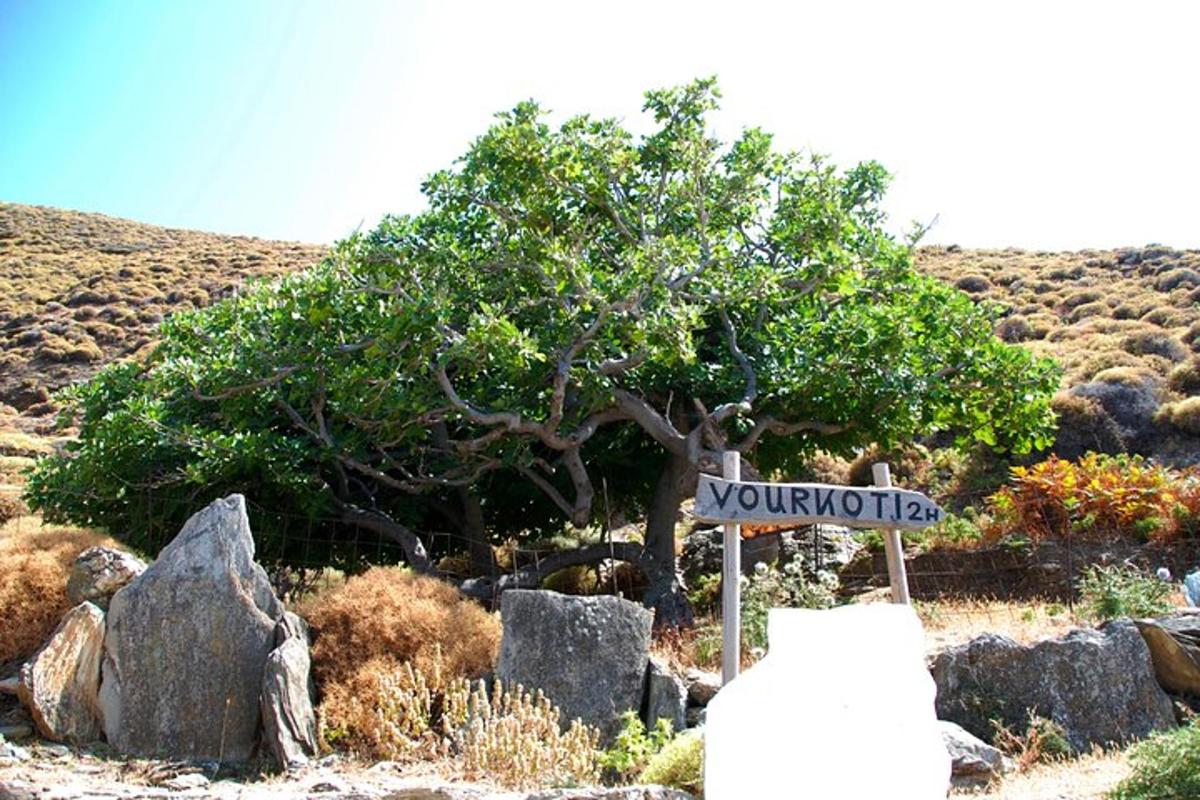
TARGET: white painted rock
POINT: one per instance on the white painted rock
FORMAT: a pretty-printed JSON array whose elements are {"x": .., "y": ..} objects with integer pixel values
[
  {"x": 835, "y": 684},
  {"x": 59, "y": 685}
]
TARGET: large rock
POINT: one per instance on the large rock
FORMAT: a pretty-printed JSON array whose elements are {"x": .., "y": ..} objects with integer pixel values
[
  {"x": 59, "y": 685},
  {"x": 1098, "y": 685},
  {"x": 1174, "y": 644},
  {"x": 187, "y": 643},
  {"x": 99, "y": 572},
  {"x": 289, "y": 723},
  {"x": 666, "y": 697},
  {"x": 972, "y": 760},
  {"x": 587, "y": 654}
]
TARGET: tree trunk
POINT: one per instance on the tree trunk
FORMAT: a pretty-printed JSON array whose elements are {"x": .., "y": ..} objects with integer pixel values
[
  {"x": 483, "y": 559},
  {"x": 666, "y": 592}
]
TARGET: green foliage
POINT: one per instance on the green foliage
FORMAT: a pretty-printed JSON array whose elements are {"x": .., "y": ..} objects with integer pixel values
[
  {"x": 771, "y": 587},
  {"x": 679, "y": 764},
  {"x": 633, "y": 747},
  {"x": 1164, "y": 767},
  {"x": 575, "y": 304},
  {"x": 1123, "y": 591},
  {"x": 705, "y": 593}
]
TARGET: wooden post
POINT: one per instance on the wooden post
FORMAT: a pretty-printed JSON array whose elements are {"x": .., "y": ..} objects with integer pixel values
[
  {"x": 731, "y": 573},
  {"x": 892, "y": 547}
]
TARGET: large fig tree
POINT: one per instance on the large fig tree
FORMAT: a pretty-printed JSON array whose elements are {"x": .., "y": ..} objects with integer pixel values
[{"x": 576, "y": 303}]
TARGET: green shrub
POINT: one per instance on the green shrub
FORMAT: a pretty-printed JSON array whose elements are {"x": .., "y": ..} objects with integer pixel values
[
  {"x": 634, "y": 747},
  {"x": 680, "y": 764},
  {"x": 1122, "y": 591},
  {"x": 770, "y": 587},
  {"x": 1165, "y": 767}
]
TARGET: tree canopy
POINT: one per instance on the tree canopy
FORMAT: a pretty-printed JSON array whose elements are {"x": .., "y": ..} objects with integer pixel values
[{"x": 576, "y": 303}]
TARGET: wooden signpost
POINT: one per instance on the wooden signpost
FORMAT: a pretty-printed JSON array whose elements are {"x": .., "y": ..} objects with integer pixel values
[{"x": 732, "y": 501}]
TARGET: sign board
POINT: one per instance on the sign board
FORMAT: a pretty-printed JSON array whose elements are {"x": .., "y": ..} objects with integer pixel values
[{"x": 728, "y": 501}]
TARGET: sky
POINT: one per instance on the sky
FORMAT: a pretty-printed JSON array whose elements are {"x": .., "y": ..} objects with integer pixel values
[{"x": 1043, "y": 125}]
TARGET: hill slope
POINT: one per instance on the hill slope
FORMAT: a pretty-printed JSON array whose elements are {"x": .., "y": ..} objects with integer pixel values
[{"x": 79, "y": 290}]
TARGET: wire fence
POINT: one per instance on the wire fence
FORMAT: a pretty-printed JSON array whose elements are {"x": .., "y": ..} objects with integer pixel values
[{"x": 995, "y": 585}]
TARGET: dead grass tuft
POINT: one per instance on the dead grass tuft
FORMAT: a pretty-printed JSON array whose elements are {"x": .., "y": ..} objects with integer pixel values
[{"x": 35, "y": 560}]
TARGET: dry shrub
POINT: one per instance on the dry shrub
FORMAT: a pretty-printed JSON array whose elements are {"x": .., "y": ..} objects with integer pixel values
[
  {"x": 11, "y": 506},
  {"x": 512, "y": 737},
  {"x": 1151, "y": 342},
  {"x": 388, "y": 612},
  {"x": 1185, "y": 378},
  {"x": 1184, "y": 415},
  {"x": 1162, "y": 317},
  {"x": 1014, "y": 329},
  {"x": 1088, "y": 310},
  {"x": 1082, "y": 298},
  {"x": 35, "y": 561},
  {"x": 973, "y": 284},
  {"x": 1084, "y": 426}
]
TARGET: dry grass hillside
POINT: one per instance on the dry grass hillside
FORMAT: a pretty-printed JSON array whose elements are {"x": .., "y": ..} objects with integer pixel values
[
  {"x": 79, "y": 290},
  {"x": 1124, "y": 325}
]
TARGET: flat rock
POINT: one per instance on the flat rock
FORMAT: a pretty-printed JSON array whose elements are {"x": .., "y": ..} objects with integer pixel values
[
  {"x": 1098, "y": 685},
  {"x": 587, "y": 654},
  {"x": 17, "y": 790},
  {"x": 1174, "y": 644},
  {"x": 613, "y": 793},
  {"x": 187, "y": 643},
  {"x": 99, "y": 572},
  {"x": 60, "y": 684}
]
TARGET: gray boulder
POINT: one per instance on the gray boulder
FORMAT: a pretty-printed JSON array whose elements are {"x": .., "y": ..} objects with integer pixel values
[
  {"x": 99, "y": 572},
  {"x": 971, "y": 759},
  {"x": 1174, "y": 644},
  {"x": 59, "y": 685},
  {"x": 1098, "y": 685},
  {"x": 666, "y": 697},
  {"x": 587, "y": 654},
  {"x": 187, "y": 643},
  {"x": 289, "y": 723},
  {"x": 11, "y": 753}
]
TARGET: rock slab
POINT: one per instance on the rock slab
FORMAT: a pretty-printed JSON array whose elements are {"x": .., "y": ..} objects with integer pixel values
[
  {"x": 666, "y": 697},
  {"x": 289, "y": 722},
  {"x": 1099, "y": 685},
  {"x": 60, "y": 684},
  {"x": 187, "y": 643},
  {"x": 587, "y": 654},
  {"x": 99, "y": 572}
]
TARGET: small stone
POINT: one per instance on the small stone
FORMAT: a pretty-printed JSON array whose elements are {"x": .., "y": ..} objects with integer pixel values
[
  {"x": 9, "y": 685},
  {"x": 11, "y": 753},
  {"x": 53, "y": 751},
  {"x": 702, "y": 686},
  {"x": 329, "y": 785},
  {"x": 17, "y": 790},
  {"x": 16, "y": 733},
  {"x": 182, "y": 783},
  {"x": 972, "y": 760}
]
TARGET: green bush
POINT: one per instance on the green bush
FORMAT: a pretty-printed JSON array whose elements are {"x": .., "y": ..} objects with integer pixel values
[
  {"x": 1121, "y": 591},
  {"x": 771, "y": 587},
  {"x": 634, "y": 747},
  {"x": 1165, "y": 767},
  {"x": 680, "y": 764}
]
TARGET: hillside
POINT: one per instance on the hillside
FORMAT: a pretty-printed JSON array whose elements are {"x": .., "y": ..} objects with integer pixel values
[
  {"x": 1125, "y": 326},
  {"x": 79, "y": 290}
]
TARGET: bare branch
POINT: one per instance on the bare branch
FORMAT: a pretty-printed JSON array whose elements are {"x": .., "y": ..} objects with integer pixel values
[
  {"x": 280, "y": 374},
  {"x": 770, "y": 424}
]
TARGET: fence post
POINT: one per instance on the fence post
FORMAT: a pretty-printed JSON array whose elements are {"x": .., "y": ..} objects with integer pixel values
[
  {"x": 892, "y": 546},
  {"x": 731, "y": 573}
]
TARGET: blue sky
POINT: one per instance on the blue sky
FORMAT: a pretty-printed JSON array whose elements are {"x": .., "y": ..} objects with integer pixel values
[{"x": 1041, "y": 125}]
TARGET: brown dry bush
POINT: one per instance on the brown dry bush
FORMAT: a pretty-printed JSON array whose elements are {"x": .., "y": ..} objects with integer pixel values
[
  {"x": 1184, "y": 415},
  {"x": 388, "y": 612},
  {"x": 35, "y": 560},
  {"x": 1185, "y": 378}
]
